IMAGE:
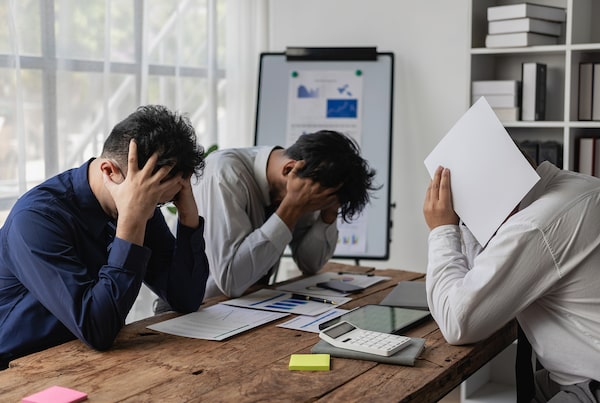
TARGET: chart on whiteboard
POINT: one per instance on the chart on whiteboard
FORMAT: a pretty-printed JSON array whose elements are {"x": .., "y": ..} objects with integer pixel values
[{"x": 324, "y": 100}]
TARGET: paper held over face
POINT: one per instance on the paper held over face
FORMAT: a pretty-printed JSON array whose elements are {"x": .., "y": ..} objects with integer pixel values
[{"x": 488, "y": 173}]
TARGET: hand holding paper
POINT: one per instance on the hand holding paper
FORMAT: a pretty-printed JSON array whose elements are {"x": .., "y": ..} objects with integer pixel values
[
  {"x": 438, "y": 208},
  {"x": 490, "y": 175}
]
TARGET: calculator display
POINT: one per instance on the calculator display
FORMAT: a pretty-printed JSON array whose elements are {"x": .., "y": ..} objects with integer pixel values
[{"x": 337, "y": 331}]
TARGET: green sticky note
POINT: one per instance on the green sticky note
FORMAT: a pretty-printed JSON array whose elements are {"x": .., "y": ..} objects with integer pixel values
[{"x": 309, "y": 362}]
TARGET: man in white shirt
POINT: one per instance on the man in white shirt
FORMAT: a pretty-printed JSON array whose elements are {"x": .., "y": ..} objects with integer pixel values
[
  {"x": 542, "y": 266},
  {"x": 257, "y": 200}
]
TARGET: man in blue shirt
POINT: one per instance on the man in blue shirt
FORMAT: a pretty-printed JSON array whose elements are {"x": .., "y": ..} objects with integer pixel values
[{"x": 75, "y": 250}]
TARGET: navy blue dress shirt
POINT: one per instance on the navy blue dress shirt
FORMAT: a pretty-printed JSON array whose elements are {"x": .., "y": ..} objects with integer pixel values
[{"x": 63, "y": 275}]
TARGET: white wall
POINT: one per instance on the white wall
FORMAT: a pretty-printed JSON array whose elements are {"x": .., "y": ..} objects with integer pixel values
[{"x": 430, "y": 40}]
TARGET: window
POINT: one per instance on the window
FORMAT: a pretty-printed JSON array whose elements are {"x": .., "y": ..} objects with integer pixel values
[{"x": 71, "y": 69}]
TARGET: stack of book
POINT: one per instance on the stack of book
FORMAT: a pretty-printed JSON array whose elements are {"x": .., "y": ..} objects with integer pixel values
[
  {"x": 589, "y": 91},
  {"x": 524, "y": 24},
  {"x": 502, "y": 95}
]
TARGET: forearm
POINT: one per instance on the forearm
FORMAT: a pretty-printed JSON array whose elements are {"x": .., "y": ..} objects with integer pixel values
[
  {"x": 187, "y": 209},
  {"x": 314, "y": 246},
  {"x": 470, "y": 303},
  {"x": 178, "y": 269},
  {"x": 89, "y": 291},
  {"x": 94, "y": 310},
  {"x": 446, "y": 269},
  {"x": 131, "y": 229},
  {"x": 238, "y": 264},
  {"x": 289, "y": 213},
  {"x": 106, "y": 305},
  {"x": 189, "y": 270}
]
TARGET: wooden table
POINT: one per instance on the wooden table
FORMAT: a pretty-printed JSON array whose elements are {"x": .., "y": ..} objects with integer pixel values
[{"x": 145, "y": 365}]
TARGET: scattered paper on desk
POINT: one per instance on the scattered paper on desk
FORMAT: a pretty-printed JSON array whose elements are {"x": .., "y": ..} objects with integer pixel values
[
  {"x": 56, "y": 394},
  {"x": 216, "y": 322},
  {"x": 308, "y": 285},
  {"x": 488, "y": 173},
  {"x": 311, "y": 323},
  {"x": 278, "y": 301}
]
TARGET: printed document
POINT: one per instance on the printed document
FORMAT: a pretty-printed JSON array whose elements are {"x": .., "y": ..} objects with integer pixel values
[
  {"x": 281, "y": 301},
  {"x": 216, "y": 322}
]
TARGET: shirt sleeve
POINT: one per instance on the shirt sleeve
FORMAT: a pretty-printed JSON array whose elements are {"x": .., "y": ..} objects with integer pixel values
[
  {"x": 470, "y": 246},
  {"x": 470, "y": 303},
  {"x": 178, "y": 269},
  {"x": 92, "y": 302},
  {"x": 239, "y": 254},
  {"x": 313, "y": 243}
]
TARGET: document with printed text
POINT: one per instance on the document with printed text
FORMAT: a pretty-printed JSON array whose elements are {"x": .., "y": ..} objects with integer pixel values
[{"x": 216, "y": 322}]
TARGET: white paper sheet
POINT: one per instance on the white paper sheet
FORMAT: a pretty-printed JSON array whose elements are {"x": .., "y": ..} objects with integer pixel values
[
  {"x": 216, "y": 322},
  {"x": 488, "y": 173}
]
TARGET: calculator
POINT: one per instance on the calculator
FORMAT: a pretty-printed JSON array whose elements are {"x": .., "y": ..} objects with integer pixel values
[{"x": 346, "y": 335}]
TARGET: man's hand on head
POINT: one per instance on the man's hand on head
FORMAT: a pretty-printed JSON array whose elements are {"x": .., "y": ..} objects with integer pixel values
[
  {"x": 309, "y": 194},
  {"x": 304, "y": 195},
  {"x": 138, "y": 194},
  {"x": 186, "y": 204},
  {"x": 330, "y": 213},
  {"x": 438, "y": 209}
]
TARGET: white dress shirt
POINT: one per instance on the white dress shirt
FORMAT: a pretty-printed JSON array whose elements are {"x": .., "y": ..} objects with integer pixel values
[
  {"x": 242, "y": 244},
  {"x": 542, "y": 266}
]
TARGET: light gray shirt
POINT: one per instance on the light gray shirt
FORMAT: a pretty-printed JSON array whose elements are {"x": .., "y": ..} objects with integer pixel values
[
  {"x": 542, "y": 267},
  {"x": 242, "y": 243}
]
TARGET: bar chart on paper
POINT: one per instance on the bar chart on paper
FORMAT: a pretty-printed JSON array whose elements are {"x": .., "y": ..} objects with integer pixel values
[{"x": 274, "y": 300}]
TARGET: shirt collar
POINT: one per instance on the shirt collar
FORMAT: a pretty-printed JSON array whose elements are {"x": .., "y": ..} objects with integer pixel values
[
  {"x": 547, "y": 172},
  {"x": 96, "y": 218},
  {"x": 260, "y": 171}
]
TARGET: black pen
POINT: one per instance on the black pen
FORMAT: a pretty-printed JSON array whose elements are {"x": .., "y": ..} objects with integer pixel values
[{"x": 311, "y": 298}]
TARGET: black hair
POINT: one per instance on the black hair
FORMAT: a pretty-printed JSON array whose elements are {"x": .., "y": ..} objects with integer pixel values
[
  {"x": 157, "y": 129},
  {"x": 332, "y": 159}
]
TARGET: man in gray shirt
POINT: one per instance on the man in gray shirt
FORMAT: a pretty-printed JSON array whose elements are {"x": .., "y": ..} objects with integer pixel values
[{"x": 258, "y": 200}]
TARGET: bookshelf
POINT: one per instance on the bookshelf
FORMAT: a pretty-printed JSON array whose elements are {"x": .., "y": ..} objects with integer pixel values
[{"x": 578, "y": 42}]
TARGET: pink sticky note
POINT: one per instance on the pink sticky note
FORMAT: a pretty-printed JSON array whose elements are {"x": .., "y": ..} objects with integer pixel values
[{"x": 56, "y": 394}]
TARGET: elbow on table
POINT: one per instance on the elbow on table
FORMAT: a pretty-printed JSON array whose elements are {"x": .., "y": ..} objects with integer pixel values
[
  {"x": 233, "y": 292},
  {"x": 454, "y": 339},
  {"x": 100, "y": 344},
  {"x": 100, "y": 335},
  {"x": 187, "y": 306},
  {"x": 457, "y": 335},
  {"x": 230, "y": 289},
  {"x": 187, "y": 301}
]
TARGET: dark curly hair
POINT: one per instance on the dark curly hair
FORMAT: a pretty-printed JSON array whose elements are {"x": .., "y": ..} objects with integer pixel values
[
  {"x": 157, "y": 129},
  {"x": 332, "y": 158}
]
